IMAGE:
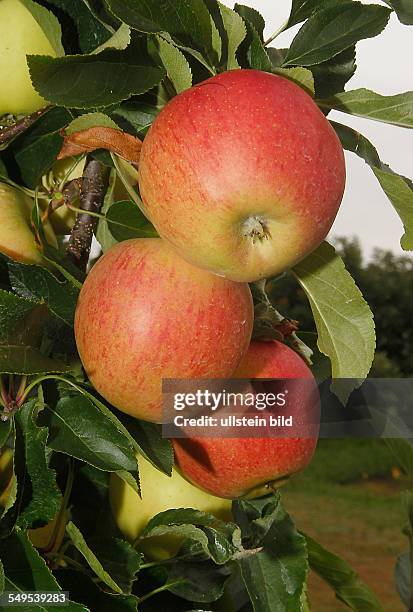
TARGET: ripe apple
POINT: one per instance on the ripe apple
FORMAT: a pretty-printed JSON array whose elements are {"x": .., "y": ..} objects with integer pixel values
[
  {"x": 250, "y": 467},
  {"x": 21, "y": 35},
  {"x": 17, "y": 239},
  {"x": 242, "y": 174},
  {"x": 159, "y": 493},
  {"x": 144, "y": 314}
]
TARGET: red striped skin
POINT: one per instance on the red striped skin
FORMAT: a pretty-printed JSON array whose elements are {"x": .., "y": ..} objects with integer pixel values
[
  {"x": 145, "y": 314},
  {"x": 241, "y": 145},
  {"x": 239, "y": 467}
]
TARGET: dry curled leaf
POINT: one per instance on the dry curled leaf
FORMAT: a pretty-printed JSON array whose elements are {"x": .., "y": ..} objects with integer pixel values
[{"x": 125, "y": 145}]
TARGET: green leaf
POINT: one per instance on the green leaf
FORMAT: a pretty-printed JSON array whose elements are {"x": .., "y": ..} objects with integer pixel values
[
  {"x": 27, "y": 360},
  {"x": 275, "y": 572},
  {"x": 44, "y": 494},
  {"x": 176, "y": 65},
  {"x": 236, "y": 32},
  {"x": 138, "y": 116},
  {"x": 80, "y": 543},
  {"x": 334, "y": 29},
  {"x": 253, "y": 16},
  {"x": 342, "y": 578},
  {"x": 256, "y": 54},
  {"x": 96, "y": 80},
  {"x": 187, "y": 20},
  {"x": 148, "y": 437},
  {"x": 89, "y": 120},
  {"x": 91, "y": 31},
  {"x": 197, "y": 582},
  {"x": 397, "y": 110},
  {"x": 331, "y": 76},
  {"x": 12, "y": 310},
  {"x": 48, "y": 23},
  {"x": 126, "y": 221},
  {"x": 119, "y": 40},
  {"x": 300, "y": 76},
  {"x": 302, "y": 9},
  {"x": 404, "y": 10},
  {"x": 79, "y": 429},
  {"x": 403, "y": 577},
  {"x": 119, "y": 559},
  {"x": 103, "y": 233},
  {"x": 398, "y": 189},
  {"x": 38, "y": 284},
  {"x": 36, "y": 150},
  {"x": 343, "y": 319}
]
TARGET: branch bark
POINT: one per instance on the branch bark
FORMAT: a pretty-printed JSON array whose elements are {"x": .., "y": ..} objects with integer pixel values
[
  {"x": 94, "y": 185},
  {"x": 11, "y": 131}
]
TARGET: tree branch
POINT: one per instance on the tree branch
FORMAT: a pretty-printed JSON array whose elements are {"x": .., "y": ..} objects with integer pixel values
[
  {"x": 15, "y": 129},
  {"x": 94, "y": 185}
]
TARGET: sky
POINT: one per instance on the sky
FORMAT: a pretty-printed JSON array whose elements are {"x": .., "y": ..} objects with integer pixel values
[{"x": 383, "y": 65}]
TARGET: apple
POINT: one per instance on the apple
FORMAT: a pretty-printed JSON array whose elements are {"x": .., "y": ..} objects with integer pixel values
[
  {"x": 21, "y": 35},
  {"x": 17, "y": 239},
  {"x": 242, "y": 174},
  {"x": 144, "y": 314},
  {"x": 251, "y": 467},
  {"x": 159, "y": 493}
]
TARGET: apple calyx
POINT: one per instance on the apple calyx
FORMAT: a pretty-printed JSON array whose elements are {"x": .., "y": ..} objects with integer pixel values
[
  {"x": 266, "y": 488},
  {"x": 255, "y": 228}
]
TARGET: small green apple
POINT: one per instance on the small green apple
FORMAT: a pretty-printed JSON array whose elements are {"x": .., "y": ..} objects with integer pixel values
[
  {"x": 159, "y": 493},
  {"x": 21, "y": 35},
  {"x": 17, "y": 239}
]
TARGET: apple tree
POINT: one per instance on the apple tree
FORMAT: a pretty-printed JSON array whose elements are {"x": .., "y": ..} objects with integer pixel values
[{"x": 77, "y": 103}]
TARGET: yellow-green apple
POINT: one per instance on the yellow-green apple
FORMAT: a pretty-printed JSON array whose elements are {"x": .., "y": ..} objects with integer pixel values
[
  {"x": 17, "y": 239},
  {"x": 242, "y": 174},
  {"x": 159, "y": 493},
  {"x": 250, "y": 467},
  {"x": 145, "y": 314},
  {"x": 21, "y": 35}
]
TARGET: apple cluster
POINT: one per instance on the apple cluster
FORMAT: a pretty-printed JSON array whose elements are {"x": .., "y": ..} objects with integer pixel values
[{"x": 242, "y": 177}]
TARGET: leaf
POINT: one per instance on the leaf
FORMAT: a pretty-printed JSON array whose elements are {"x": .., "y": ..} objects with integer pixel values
[
  {"x": 176, "y": 65},
  {"x": 187, "y": 20},
  {"x": 342, "y": 578},
  {"x": 397, "y": 110},
  {"x": 402, "y": 577},
  {"x": 138, "y": 116},
  {"x": 236, "y": 32},
  {"x": 152, "y": 445},
  {"x": 398, "y": 189},
  {"x": 38, "y": 284},
  {"x": 343, "y": 319},
  {"x": 44, "y": 494},
  {"x": 91, "y": 31},
  {"x": 275, "y": 572},
  {"x": 48, "y": 23},
  {"x": 123, "y": 144},
  {"x": 12, "y": 310},
  {"x": 27, "y": 360},
  {"x": 256, "y": 54},
  {"x": 119, "y": 40},
  {"x": 334, "y": 29},
  {"x": 332, "y": 75},
  {"x": 302, "y": 9},
  {"x": 300, "y": 76},
  {"x": 404, "y": 10},
  {"x": 126, "y": 221},
  {"x": 36, "y": 150},
  {"x": 197, "y": 582},
  {"x": 96, "y": 80},
  {"x": 80, "y": 543},
  {"x": 89, "y": 120},
  {"x": 79, "y": 429},
  {"x": 253, "y": 16},
  {"x": 118, "y": 558}
]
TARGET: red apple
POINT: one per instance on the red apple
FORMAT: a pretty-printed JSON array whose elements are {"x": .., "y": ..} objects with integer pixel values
[
  {"x": 250, "y": 467},
  {"x": 242, "y": 174},
  {"x": 145, "y": 314}
]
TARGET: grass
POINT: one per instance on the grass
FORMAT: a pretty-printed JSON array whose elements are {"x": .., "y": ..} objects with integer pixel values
[{"x": 349, "y": 500}]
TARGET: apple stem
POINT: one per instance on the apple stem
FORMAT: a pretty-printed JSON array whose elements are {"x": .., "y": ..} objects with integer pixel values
[
  {"x": 95, "y": 182},
  {"x": 10, "y": 132}
]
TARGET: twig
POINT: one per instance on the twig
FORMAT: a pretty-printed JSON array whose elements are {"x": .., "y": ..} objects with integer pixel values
[
  {"x": 94, "y": 185},
  {"x": 17, "y": 128}
]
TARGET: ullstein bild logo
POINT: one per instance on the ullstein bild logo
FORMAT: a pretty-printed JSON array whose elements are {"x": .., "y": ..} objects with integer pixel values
[{"x": 241, "y": 408}]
